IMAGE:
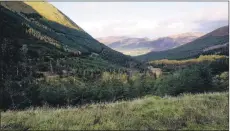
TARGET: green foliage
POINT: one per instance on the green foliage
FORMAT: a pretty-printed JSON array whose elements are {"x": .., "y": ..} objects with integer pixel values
[
  {"x": 200, "y": 59},
  {"x": 45, "y": 57},
  {"x": 109, "y": 87},
  {"x": 221, "y": 81},
  {"x": 224, "y": 50},
  {"x": 195, "y": 79},
  {"x": 218, "y": 63},
  {"x": 86, "y": 84}
]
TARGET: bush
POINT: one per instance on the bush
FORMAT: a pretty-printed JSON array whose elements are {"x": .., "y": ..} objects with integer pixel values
[
  {"x": 111, "y": 87},
  {"x": 221, "y": 82},
  {"x": 194, "y": 79}
]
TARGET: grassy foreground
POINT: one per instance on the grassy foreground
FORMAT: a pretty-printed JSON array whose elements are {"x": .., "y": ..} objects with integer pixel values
[{"x": 193, "y": 112}]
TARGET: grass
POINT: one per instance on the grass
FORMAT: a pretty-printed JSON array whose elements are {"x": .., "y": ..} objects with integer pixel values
[{"x": 187, "y": 112}]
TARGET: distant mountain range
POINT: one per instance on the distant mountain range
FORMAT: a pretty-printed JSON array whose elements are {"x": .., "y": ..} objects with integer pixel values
[
  {"x": 217, "y": 40},
  {"x": 138, "y": 46}
]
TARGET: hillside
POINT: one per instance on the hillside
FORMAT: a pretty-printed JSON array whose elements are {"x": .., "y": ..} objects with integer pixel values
[
  {"x": 186, "y": 112},
  {"x": 194, "y": 48},
  {"x": 46, "y": 10},
  {"x": 138, "y": 46},
  {"x": 46, "y": 23}
]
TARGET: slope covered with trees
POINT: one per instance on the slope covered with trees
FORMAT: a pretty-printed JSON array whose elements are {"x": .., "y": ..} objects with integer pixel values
[
  {"x": 48, "y": 24},
  {"x": 32, "y": 49}
]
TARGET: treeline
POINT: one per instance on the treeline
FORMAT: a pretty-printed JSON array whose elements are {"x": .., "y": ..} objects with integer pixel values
[
  {"x": 87, "y": 68},
  {"x": 194, "y": 79},
  {"x": 109, "y": 87},
  {"x": 221, "y": 50},
  {"x": 216, "y": 62},
  {"x": 200, "y": 59}
]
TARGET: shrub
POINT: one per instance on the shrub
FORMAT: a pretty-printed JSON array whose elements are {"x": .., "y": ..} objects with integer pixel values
[
  {"x": 221, "y": 82},
  {"x": 193, "y": 79}
]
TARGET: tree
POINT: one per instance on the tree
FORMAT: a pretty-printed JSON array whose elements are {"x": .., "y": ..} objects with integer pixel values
[{"x": 189, "y": 80}]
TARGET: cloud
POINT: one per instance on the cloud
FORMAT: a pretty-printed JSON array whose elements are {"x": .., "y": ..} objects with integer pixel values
[
  {"x": 208, "y": 26},
  {"x": 139, "y": 20}
]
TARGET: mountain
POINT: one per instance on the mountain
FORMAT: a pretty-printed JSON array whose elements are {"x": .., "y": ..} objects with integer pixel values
[
  {"x": 138, "y": 46},
  {"x": 42, "y": 23},
  {"x": 194, "y": 48},
  {"x": 111, "y": 39}
]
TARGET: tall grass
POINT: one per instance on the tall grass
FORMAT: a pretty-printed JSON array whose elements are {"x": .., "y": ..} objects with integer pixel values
[{"x": 186, "y": 112}]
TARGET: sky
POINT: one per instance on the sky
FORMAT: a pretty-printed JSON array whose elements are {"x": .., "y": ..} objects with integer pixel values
[{"x": 145, "y": 19}]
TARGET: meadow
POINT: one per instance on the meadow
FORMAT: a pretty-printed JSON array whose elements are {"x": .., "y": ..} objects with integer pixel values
[{"x": 207, "y": 111}]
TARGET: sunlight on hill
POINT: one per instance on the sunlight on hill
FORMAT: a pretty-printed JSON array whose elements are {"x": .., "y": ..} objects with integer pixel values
[{"x": 45, "y": 9}]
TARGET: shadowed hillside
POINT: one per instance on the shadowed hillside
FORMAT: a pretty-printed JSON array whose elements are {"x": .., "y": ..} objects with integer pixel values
[
  {"x": 57, "y": 29},
  {"x": 34, "y": 49}
]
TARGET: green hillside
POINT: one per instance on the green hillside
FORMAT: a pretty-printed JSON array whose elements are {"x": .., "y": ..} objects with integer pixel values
[
  {"x": 35, "y": 50},
  {"x": 47, "y": 24},
  {"x": 193, "y": 49}
]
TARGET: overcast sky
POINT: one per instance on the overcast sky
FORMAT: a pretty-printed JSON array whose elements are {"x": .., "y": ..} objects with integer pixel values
[{"x": 145, "y": 19}]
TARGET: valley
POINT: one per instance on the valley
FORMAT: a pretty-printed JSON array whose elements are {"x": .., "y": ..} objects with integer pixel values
[
  {"x": 139, "y": 46},
  {"x": 55, "y": 75}
]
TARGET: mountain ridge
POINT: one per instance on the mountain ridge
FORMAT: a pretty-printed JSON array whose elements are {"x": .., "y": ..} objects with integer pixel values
[
  {"x": 126, "y": 44},
  {"x": 192, "y": 49}
]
